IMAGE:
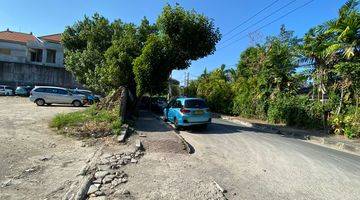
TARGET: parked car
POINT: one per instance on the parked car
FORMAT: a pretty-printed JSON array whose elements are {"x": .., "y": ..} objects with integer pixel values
[
  {"x": 90, "y": 96},
  {"x": 23, "y": 90},
  {"x": 158, "y": 104},
  {"x": 187, "y": 112},
  {"x": 6, "y": 90},
  {"x": 48, "y": 95}
]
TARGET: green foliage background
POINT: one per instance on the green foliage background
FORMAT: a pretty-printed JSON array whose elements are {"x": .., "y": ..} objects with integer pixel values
[{"x": 266, "y": 84}]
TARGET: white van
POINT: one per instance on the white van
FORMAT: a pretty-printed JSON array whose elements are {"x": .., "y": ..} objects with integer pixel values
[
  {"x": 42, "y": 95},
  {"x": 6, "y": 90}
]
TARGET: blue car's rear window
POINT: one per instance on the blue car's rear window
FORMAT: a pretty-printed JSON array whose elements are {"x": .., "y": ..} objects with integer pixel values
[{"x": 195, "y": 103}]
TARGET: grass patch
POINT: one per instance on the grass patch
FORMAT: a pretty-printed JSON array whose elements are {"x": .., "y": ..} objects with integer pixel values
[{"x": 88, "y": 121}]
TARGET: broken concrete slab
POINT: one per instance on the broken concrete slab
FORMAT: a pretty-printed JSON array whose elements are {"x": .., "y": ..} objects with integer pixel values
[
  {"x": 101, "y": 174},
  {"x": 138, "y": 144},
  {"x": 92, "y": 189}
]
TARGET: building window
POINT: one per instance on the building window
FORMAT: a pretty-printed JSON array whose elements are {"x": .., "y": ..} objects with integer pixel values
[
  {"x": 5, "y": 51},
  {"x": 36, "y": 55},
  {"x": 50, "y": 56}
]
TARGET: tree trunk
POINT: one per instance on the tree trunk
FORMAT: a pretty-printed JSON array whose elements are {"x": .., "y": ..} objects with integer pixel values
[
  {"x": 123, "y": 104},
  {"x": 319, "y": 85},
  {"x": 341, "y": 100},
  {"x": 313, "y": 92},
  {"x": 322, "y": 88},
  {"x": 357, "y": 104}
]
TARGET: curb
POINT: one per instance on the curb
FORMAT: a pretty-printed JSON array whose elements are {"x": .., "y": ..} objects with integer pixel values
[
  {"x": 336, "y": 145},
  {"x": 79, "y": 188},
  {"x": 124, "y": 133},
  {"x": 321, "y": 140}
]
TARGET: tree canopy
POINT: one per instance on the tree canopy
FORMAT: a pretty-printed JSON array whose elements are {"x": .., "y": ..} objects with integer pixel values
[{"x": 104, "y": 55}]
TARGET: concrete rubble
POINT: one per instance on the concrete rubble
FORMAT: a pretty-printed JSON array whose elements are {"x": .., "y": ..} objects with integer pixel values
[{"x": 108, "y": 174}]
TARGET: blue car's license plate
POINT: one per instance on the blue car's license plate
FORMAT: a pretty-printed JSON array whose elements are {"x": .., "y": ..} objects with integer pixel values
[{"x": 198, "y": 112}]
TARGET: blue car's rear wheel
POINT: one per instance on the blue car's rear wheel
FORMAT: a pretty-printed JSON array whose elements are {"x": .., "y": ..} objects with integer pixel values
[{"x": 176, "y": 124}]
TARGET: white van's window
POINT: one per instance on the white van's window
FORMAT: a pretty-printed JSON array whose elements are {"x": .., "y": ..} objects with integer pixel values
[
  {"x": 51, "y": 90},
  {"x": 39, "y": 90},
  {"x": 62, "y": 92}
]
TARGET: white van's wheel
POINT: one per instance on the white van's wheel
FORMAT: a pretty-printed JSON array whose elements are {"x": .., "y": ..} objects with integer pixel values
[
  {"x": 40, "y": 102},
  {"x": 76, "y": 103}
]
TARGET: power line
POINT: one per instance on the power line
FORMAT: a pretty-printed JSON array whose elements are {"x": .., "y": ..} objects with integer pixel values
[
  {"x": 277, "y": 19},
  {"x": 250, "y": 18},
  {"x": 261, "y": 20}
]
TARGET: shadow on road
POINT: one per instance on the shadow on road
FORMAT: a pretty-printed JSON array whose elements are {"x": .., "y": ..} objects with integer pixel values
[{"x": 218, "y": 127}]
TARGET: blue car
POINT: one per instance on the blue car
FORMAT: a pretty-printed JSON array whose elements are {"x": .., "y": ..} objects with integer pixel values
[{"x": 187, "y": 112}]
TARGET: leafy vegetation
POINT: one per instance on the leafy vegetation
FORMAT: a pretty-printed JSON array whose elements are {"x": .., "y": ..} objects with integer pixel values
[
  {"x": 104, "y": 55},
  {"x": 106, "y": 120},
  {"x": 300, "y": 82}
]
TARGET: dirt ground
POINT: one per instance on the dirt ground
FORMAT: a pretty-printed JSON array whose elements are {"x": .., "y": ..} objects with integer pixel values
[
  {"x": 167, "y": 171},
  {"x": 36, "y": 163}
]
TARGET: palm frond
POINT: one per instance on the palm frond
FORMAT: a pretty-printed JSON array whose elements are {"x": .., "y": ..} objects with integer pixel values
[
  {"x": 332, "y": 49},
  {"x": 349, "y": 52}
]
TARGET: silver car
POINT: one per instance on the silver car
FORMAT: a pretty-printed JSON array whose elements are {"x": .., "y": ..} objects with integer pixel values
[
  {"x": 42, "y": 95},
  {"x": 6, "y": 90}
]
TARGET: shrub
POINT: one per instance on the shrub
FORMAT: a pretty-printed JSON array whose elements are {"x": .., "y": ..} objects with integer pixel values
[
  {"x": 217, "y": 92},
  {"x": 297, "y": 111},
  {"x": 347, "y": 124},
  {"x": 248, "y": 100}
]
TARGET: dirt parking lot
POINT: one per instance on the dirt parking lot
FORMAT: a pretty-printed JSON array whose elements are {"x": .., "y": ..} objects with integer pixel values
[{"x": 36, "y": 163}]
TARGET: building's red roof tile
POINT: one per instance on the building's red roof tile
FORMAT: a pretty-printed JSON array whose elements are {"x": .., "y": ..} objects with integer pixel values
[
  {"x": 52, "y": 38},
  {"x": 16, "y": 36}
]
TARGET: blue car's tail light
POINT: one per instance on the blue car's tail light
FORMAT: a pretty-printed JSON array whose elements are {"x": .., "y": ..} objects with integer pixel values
[{"x": 184, "y": 111}]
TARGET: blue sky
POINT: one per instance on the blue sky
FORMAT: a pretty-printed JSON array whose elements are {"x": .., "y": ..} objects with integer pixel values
[{"x": 51, "y": 16}]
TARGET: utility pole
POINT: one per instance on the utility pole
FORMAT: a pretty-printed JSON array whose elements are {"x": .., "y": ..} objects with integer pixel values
[{"x": 186, "y": 80}]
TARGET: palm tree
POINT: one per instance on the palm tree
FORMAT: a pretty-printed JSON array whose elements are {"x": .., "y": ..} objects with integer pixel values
[
  {"x": 346, "y": 30},
  {"x": 316, "y": 42},
  {"x": 346, "y": 46}
]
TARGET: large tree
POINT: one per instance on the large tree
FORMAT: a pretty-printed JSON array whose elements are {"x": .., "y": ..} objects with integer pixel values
[
  {"x": 345, "y": 48},
  {"x": 182, "y": 36},
  {"x": 104, "y": 55}
]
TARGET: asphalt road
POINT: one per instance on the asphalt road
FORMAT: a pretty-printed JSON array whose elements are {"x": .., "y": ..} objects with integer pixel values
[{"x": 257, "y": 165}]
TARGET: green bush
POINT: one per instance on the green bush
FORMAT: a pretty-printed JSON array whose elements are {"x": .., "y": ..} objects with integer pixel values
[
  {"x": 217, "y": 92},
  {"x": 297, "y": 111},
  {"x": 249, "y": 101},
  {"x": 116, "y": 127},
  {"x": 347, "y": 124}
]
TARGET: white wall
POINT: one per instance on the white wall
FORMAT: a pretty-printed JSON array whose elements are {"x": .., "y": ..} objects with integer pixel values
[{"x": 20, "y": 52}]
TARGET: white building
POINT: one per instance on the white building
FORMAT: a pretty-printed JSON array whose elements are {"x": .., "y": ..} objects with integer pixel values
[{"x": 26, "y": 48}]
